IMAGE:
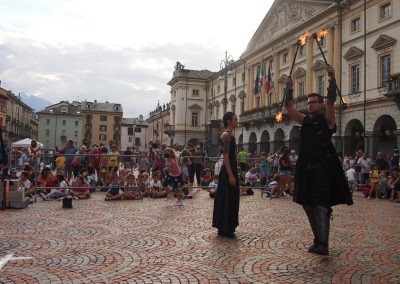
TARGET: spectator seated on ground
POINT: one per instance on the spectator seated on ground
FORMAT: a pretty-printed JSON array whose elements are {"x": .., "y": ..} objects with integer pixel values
[
  {"x": 273, "y": 186},
  {"x": 206, "y": 178},
  {"x": 251, "y": 178},
  {"x": 156, "y": 188},
  {"x": 103, "y": 178},
  {"x": 212, "y": 187},
  {"x": 113, "y": 192},
  {"x": 131, "y": 190},
  {"x": 144, "y": 189},
  {"x": 80, "y": 188},
  {"x": 25, "y": 184},
  {"x": 396, "y": 185},
  {"x": 61, "y": 191},
  {"x": 46, "y": 181}
]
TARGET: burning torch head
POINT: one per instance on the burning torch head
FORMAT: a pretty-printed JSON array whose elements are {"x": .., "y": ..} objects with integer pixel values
[
  {"x": 321, "y": 34},
  {"x": 279, "y": 117},
  {"x": 303, "y": 38}
]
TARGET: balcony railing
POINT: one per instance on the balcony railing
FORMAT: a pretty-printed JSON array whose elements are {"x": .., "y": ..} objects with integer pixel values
[
  {"x": 392, "y": 91},
  {"x": 169, "y": 129}
]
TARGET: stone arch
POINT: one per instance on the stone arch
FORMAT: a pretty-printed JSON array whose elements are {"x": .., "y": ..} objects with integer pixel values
[
  {"x": 264, "y": 142},
  {"x": 294, "y": 138},
  {"x": 353, "y": 136},
  {"x": 384, "y": 139},
  {"x": 252, "y": 142},
  {"x": 278, "y": 139}
]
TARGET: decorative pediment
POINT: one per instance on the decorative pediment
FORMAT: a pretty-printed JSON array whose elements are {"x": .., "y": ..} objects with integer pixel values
[
  {"x": 283, "y": 79},
  {"x": 319, "y": 64},
  {"x": 299, "y": 72},
  {"x": 242, "y": 95},
  {"x": 282, "y": 17},
  {"x": 195, "y": 107},
  {"x": 382, "y": 42},
  {"x": 217, "y": 104},
  {"x": 232, "y": 98},
  {"x": 353, "y": 52}
]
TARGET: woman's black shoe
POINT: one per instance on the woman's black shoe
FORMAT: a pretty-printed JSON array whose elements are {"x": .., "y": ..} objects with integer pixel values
[{"x": 227, "y": 235}]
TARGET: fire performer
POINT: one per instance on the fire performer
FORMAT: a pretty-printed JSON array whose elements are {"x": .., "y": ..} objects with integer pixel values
[{"x": 320, "y": 182}]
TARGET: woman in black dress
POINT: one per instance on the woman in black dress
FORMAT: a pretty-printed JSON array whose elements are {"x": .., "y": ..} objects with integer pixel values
[{"x": 226, "y": 203}]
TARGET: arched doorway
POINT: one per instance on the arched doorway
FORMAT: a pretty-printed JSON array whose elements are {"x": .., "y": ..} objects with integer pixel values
[
  {"x": 353, "y": 137},
  {"x": 294, "y": 139},
  {"x": 278, "y": 139},
  {"x": 252, "y": 143},
  {"x": 384, "y": 139},
  {"x": 264, "y": 143}
]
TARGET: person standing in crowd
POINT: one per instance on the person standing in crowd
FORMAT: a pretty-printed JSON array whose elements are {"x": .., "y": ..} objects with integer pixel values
[
  {"x": 226, "y": 203},
  {"x": 285, "y": 171},
  {"x": 127, "y": 158},
  {"x": 197, "y": 166},
  {"x": 113, "y": 156},
  {"x": 365, "y": 164},
  {"x": 34, "y": 152},
  {"x": 320, "y": 181},
  {"x": 374, "y": 181},
  {"x": 293, "y": 159},
  {"x": 243, "y": 162},
  {"x": 381, "y": 162},
  {"x": 69, "y": 150}
]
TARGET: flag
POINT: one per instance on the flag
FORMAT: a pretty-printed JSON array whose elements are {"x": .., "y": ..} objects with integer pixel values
[
  {"x": 257, "y": 82},
  {"x": 268, "y": 83},
  {"x": 262, "y": 73}
]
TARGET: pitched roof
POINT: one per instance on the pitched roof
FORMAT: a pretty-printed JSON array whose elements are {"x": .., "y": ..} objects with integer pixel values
[{"x": 101, "y": 107}]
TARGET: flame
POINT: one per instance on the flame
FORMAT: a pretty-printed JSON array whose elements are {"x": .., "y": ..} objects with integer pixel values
[
  {"x": 303, "y": 38},
  {"x": 321, "y": 34},
  {"x": 279, "y": 117}
]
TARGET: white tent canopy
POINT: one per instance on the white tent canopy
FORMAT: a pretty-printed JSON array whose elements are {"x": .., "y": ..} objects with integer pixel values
[{"x": 24, "y": 143}]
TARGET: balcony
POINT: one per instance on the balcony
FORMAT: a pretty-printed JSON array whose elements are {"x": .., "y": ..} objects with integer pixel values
[
  {"x": 169, "y": 129},
  {"x": 392, "y": 91}
]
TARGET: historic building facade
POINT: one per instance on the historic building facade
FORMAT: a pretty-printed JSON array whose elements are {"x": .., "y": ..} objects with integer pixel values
[
  {"x": 363, "y": 59},
  {"x": 159, "y": 125},
  {"x": 17, "y": 119},
  {"x": 133, "y": 133},
  {"x": 60, "y": 122}
]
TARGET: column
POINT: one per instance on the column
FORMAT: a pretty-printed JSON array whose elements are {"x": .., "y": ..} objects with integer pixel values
[
  {"x": 276, "y": 97},
  {"x": 292, "y": 49},
  {"x": 330, "y": 44},
  {"x": 248, "y": 89},
  {"x": 309, "y": 56},
  {"x": 336, "y": 53}
]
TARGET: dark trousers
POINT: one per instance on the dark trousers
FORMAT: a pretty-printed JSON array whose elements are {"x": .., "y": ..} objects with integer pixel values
[{"x": 195, "y": 169}]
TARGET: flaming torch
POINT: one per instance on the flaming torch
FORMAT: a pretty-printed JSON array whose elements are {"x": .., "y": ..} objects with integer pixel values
[
  {"x": 300, "y": 42},
  {"x": 318, "y": 36}
]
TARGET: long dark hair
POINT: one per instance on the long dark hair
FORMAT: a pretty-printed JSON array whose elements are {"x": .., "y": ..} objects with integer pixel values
[{"x": 228, "y": 118}]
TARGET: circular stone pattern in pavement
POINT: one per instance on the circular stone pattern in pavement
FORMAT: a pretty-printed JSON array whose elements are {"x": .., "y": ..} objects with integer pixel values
[{"x": 151, "y": 241}]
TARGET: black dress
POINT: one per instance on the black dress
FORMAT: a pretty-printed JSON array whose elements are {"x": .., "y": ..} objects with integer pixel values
[
  {"x": 226, "y": 203},
  {"x": 319, "y": 175}
]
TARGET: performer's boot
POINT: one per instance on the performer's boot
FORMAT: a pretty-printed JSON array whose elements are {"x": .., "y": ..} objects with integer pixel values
[
  {"x": 322, "y": 215},
  {"x": 311, "y": 219}
]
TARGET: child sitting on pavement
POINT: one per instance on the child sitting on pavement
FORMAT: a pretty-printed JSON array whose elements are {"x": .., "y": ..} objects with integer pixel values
[
  {"x": 113, "y": 192},
  {"x": 212, "y": 187},
  {"x": 80, "y": 188},
  {"x": 156, "y": 188},
  {"x": 60, "y": 192},
  {"x": 131, "y": 190},
  {"x": 143, "y": 187},
  {"x": 206, "y": 178}
]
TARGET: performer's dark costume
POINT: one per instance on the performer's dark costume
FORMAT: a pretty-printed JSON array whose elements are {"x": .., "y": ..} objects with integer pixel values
[
  {"x": 226, "y": 203},
  {"x": 320, "y": 181}
]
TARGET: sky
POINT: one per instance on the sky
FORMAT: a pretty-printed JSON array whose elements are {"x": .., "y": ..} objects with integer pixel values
[{"x": 121, "y": 51}]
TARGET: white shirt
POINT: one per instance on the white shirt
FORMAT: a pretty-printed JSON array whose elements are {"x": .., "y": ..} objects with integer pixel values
[
  {"x": 351, "y": 175},
  {"x": 155, "y": 184},
  {"x": 26, "y": 184},
  {"x": 213, "y": 186},
  {"x": 249, "y": 177},
  {"x": 365, "y": 165}
]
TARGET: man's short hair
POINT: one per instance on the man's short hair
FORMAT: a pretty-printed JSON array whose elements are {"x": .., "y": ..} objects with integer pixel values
[{"x": 320, "y": 98}]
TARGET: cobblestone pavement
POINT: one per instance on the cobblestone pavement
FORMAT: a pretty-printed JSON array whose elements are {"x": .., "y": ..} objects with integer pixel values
[{"x": 150, "y": 242}]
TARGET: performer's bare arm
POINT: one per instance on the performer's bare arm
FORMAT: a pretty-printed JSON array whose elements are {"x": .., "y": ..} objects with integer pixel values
[
  {"x": 330, "y": 101},
  {"x": 292, "y": 111}
]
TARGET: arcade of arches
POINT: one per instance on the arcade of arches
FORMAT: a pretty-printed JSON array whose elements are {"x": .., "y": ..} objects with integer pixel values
[{"x": 383, "y": 138}]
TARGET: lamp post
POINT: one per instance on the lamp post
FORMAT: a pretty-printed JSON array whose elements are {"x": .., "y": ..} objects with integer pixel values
[{"x": 225, "y": 66}]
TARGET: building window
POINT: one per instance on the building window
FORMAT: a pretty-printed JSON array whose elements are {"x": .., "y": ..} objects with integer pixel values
[
  {"x": 257, "y": 101},
  {"x": 285, "y": 57},
  {"x": 47, "y": 132},
  {"x": 301, "y": 50},
  {"x": 64, "y": 122},
  {"x": 321, "y": 85},
  {"x": 385, "y": 11},
  {"x": 218, "y": 89},
  {"x": 355, "y": 79},
  {"x": 76, "y": 134},
  {"x": 243, "y": 77},
  {"x": 242, "y": 107},
  {"x": 322, "y": 41},
  {"x": 195, "y": 93},
  {"x": 138, "y": 129},
  {"x": 217, "y": 113},
  {"x": 174, "y": 94},
  {"x": 117, "y": 119},
  {"x": 270, "y": 98},
  {"x": 384, "y": 70},
  {"x": 130, "y": 139},
  {"x": 64, "y": 109},
  {"x": 103, "y": 137},
  {"x": 63, "y": 131},
  {"x": 103, "y": 127},
  {"x": 195, "y": 119},
  {"x": 137, "y": 141},
  {"x": 103, "y": 117},
  {"x": 234, "y": 82},
  {"x": 47, "y": 121},
  {"x": 130, "y": 131},
  {"x": 301, "y": 89},
  {"x": 233, "y": 108},
  {"x": 76, "y": 123},
  {"x": 355, "y": 25}
]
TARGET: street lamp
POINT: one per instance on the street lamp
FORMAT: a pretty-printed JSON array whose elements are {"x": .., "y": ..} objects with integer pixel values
[{"x": 225, "y": 67}]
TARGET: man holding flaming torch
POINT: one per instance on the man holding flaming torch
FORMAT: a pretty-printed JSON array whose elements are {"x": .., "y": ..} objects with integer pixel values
[{"x": 320, "y": 182}]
